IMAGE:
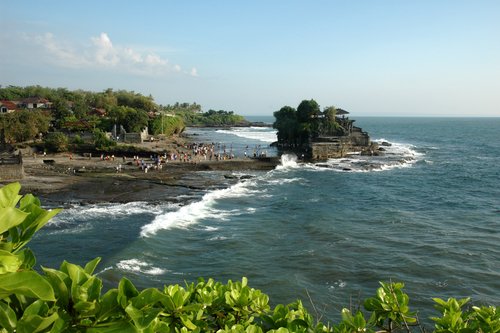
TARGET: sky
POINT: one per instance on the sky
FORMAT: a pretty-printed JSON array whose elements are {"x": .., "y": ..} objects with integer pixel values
[{"x": 372, "y": 58}]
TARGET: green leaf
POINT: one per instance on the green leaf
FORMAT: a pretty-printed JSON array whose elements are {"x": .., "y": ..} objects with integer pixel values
[
  {"x": 142, "y": 318},
  {"x": 76, "y": 274},
  {"x": 126, "y": 291},
  {"x": 11, "y": 217},
  {"x": 29, "y": 199},
  {"x": 114, "y": 327},
  {"x": 8, "y": 319},
  {"x": 187, "y": 322},
  {"x": 91, "y": 265},
  {"x": 9, "y": 262},
  {"x": 148, "y": 297},
  {"x": 27, "y": 283},
  {"x": 109, "y": 305},
  {"x": 35, "y": 318},
  {"x": 60, "y": 282},
  {"x": 359, "y": 321},
  {"x": 60, "y": 325},
  {"x": 28, "y": 258},
  {"x": 93, "y": 288},
  {"x": 37, "y": 218},
  {"x": 84, "y": 307},
  {"x": 9, "y": 195}
]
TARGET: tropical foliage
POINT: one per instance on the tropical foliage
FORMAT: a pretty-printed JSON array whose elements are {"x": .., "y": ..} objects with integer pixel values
[
  {"x": 296, "y": 127},
  {"x": 57, "y": 142},
  {"x": 24, "y": 125},
  {"x": 71, "y": 298},
  {"x": 84, "y": 111},
  {"x": 193, "y": 116},
  {"x": 167, "y": 125}
]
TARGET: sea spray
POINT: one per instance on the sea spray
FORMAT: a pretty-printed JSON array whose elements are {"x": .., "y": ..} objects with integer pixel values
[{"x": 288, "y": 161}]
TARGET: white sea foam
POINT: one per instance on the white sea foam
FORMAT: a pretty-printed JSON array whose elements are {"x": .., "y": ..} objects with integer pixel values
[
  {"x": 138, "y": 266},
  {"x": 90, "y": 212},
  {"x": 339, "y": 284},
  {"x": 395, "y": 156},
  {"x": 196, "y": 211},
  {"x": 264, "y": 134},
  {"x": 217, "y": 238},
  {"x": 285, "y": 181}
]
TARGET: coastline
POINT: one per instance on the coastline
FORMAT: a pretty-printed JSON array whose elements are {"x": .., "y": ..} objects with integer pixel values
[{"x": 59, "y": 179}]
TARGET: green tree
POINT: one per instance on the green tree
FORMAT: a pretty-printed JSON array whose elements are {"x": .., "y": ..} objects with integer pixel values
[
  {"x": 131, "y": 119},
  {"x": 101, "y": 140},
  {"x": 330, "y": 126},
  {"x": 307, "y": 111},
  {"x": 167, "y": 125},
  {"x": 135, "y": 100},
  {"x": 56, "y": 142},
  {"x": 287, "y": 125},
  {"x": 24, "y": 125}
]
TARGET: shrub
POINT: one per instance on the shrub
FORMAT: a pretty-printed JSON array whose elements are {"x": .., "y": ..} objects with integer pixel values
[
  {"x": 101, "y": 141},
  {"x": 56, "y": 142}
]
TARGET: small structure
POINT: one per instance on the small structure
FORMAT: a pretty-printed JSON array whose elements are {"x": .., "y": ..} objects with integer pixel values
[
  {"x": 35, "y": 103},
  {"x": 7, "y": 106},
  {"x": 11, "y": 164},
  {"x": 352, "y": 139},
  {"x": 136, "y": 137}
]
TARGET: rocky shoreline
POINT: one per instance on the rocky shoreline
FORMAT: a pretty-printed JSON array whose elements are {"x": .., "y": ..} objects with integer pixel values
[{"x": 63, "y": 179}]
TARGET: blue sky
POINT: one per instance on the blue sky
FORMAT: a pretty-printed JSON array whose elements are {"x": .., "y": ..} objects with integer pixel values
[{"x": 372, "y": 58}]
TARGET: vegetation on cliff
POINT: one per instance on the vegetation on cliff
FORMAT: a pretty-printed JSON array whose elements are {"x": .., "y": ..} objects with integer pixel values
[
  {"x": 297, "y": 127},
  {"x": 71, "y": 299}
]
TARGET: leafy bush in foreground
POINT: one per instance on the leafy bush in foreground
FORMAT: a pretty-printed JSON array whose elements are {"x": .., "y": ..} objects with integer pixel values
[{"x": 70, "y": 299}]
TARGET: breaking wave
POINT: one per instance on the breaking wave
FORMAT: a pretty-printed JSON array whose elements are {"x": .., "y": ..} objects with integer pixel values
[
  {"x": 196, "y": 211},
  {"x": 264, "y": 134}
]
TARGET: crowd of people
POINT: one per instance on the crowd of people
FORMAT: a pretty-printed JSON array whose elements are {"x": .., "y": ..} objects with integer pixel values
[{"x": 190, "y": 153}]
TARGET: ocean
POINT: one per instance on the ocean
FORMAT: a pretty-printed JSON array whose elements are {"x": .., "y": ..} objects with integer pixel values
[{"x": 427, "y": 213}]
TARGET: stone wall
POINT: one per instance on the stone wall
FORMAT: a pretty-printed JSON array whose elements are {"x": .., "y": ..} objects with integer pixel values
[
  {"x": 132, "y": 138},
  {"x": 11, "y": 167},
  {"x": 326, "y": 150},
  {"x": 338, "y": 146}
]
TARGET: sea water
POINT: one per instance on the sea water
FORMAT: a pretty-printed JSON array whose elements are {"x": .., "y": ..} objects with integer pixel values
[{"x": 427, "y": 213}]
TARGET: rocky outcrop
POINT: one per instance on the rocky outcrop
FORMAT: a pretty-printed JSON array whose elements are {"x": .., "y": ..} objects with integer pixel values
[{"x": 323, "y": 148}]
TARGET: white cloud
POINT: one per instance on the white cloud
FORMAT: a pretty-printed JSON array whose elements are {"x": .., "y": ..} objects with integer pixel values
[
  {"x": 133, "y": 56},
  {"x": 64, "y": 53},
  {"x": 101, "y": 53},
  {"x": 104, "y": 52},
  {"x": 194, "y": 72},
  {"x": 153, "y": 60}
]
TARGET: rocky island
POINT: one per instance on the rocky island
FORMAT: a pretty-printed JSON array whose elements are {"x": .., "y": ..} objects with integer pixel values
[{"x": 319, "y": 135}]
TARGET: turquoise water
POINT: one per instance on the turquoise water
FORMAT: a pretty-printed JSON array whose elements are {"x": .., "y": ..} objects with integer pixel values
[{"x": 427, "y": 213}]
